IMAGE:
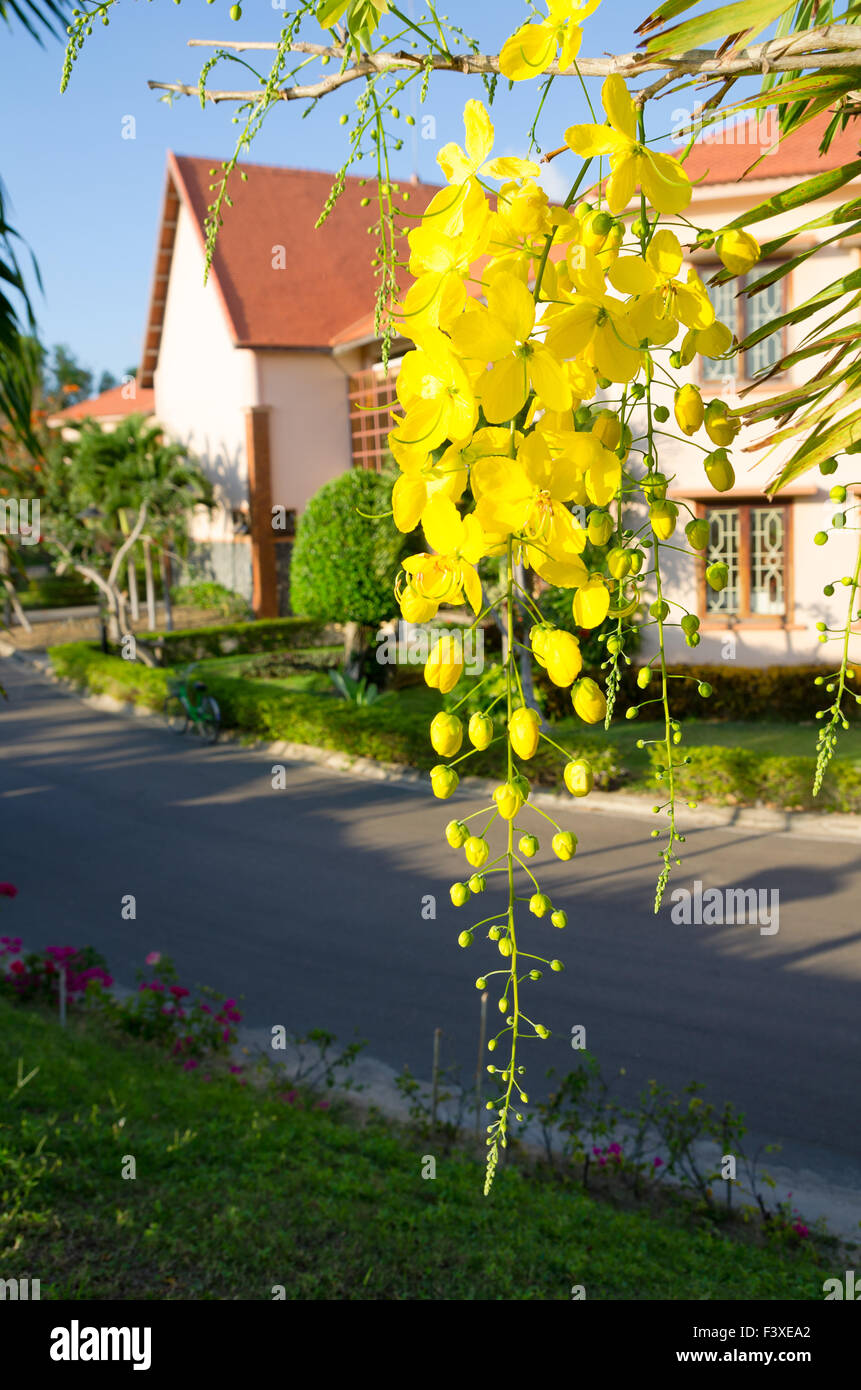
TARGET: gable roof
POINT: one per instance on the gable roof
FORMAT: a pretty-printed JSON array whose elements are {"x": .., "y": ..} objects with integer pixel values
[
  {"x": 110, "y": 405},
  {"x": 328, "y": 282},
  {"x": 733, "y": 148}
]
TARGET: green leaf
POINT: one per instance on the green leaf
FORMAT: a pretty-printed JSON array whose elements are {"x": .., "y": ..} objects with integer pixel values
[
  {"x": 748, "y": 17},
  {"x": 800, "y": 193},
  {"x": 835, "y": 290},
  {"x": 833, "y": 441}
]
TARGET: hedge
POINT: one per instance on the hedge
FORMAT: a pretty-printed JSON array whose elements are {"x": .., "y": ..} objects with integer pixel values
[
  {"x": 230, "y": 639},
  {"x": 747, "y": 692},
  {"x": 738, "y": 776},
  {"x": 388, "y": 731}
]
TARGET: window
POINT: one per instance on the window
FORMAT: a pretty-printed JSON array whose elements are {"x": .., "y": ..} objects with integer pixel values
[
  {"x": 753, "y": 542},
  {"x": 371, "y": 396},
  {"x": 743, "y": 316}
]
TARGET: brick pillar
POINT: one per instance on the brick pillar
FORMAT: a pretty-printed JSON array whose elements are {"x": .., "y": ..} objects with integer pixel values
[{"x": 265, "y": 598}]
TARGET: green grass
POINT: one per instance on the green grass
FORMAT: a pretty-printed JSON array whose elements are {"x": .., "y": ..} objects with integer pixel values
[{"x": 237, "y": 1192}]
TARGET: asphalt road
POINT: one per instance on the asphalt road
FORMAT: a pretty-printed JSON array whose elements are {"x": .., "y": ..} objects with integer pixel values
[{"x": 307, "y": 901}]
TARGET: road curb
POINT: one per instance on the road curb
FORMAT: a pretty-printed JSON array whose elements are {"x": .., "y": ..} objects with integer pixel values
[{"x": 760, "y": 819}]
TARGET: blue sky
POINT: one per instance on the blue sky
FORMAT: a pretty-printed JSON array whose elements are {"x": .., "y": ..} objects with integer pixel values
[{"x": 88, "y": 200}]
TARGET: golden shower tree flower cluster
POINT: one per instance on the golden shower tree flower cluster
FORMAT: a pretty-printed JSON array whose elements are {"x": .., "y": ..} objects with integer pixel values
[{"x": 538, "y": 332}]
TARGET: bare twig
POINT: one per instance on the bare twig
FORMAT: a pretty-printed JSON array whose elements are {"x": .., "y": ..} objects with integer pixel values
[{"x": 833, "y": 48}]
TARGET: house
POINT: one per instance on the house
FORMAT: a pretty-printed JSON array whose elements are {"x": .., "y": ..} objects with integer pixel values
[
  {"x": 269, "y": 370},
  {"x": 108, "y": 409},
  {"x": 768, "y": 612}
]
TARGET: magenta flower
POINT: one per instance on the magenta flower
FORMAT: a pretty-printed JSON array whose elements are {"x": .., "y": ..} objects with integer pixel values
[
  {"x": 8, "y": 890},
  {"x": 178, "y": 992},
  {"x": 153, "y": 958},
  {"x": 190, "y": 1064},
  {"x": 658, "y": 1163}
]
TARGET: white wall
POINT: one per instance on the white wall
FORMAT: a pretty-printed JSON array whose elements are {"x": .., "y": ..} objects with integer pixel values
[
  {"x": 309, "y": 422},
  {"x": 202, "y": 382}
]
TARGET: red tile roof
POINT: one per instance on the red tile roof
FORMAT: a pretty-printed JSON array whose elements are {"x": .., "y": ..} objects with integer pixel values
[
  {"x": 328, "y": 282},
  {"x": 731, "y": 150},
  {"x": 109, "y": 404}
]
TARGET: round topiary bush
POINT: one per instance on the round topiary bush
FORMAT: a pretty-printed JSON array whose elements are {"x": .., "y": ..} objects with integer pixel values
[{"x": 348, "y": 551}]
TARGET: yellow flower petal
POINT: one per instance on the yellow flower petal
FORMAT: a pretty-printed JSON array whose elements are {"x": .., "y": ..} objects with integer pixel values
[
  {"x": 590, "y": 140},
  {"x": 664, "y": 182},
  {"x": 503, "y": 390},
  {"x": 591, "y": 603},
  {"x": 631, "y": 275},
  {"x": 510, "y": 302},
  {"x": 619, "y": 106},
  {"x": 603, "y": 477},
  {"x": 622, "y": 182},
  {"x": 454, "y": 164},
  {"x": 479, "y": 132},
  {"x": 442, "y": 525},
  {"x": 508, "y": 166},
  {"x": 665, "y": 254},
  {"x": 409, "y": 496},
  {"x": 481, "y": 335},
  {"x": 527, "y": 52},
  {"x": 549, "y": 379}
]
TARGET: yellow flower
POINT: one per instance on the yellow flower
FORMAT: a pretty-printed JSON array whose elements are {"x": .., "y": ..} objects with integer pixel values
[
  {"x": 595, "y": 325},
  {"x": 662, "y": 300},
  {"x": 500, "y": 334},
  {"x": 414, "y": 607},
  {"x": 633, "y": 165},
  {"x": 458, "y": 166},
  {"x": 739, "y": 251},
  {"x": 591, "y": 602},
  {"x": 526, "y": 496},
  {"x": 421, "y": 479},
  {"x": 589, "y": 701},
  {"x": 446, "y": 734},
  {"x": 524, "y": 728},
  {"x": 460, "y": 543},
  {"x": 721, "y": 427},
  {"x": 562, "y": 657},
  {"x": 533, "y": 47},
  {"x": 451, "y": 237},
  {"x": 662, "y": 518},
  {"x": 689, "y": 409},
  {"x": 719, "y": 470},
  {"x": 480, "y": 731},
  {"x": 435, "y": 391},
  {"x": 444, "y": 666},
  {"x": 714, "y": 341}
]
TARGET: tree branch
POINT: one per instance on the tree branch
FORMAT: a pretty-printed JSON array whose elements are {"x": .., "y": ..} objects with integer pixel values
[{"x": 832, "y": 47}]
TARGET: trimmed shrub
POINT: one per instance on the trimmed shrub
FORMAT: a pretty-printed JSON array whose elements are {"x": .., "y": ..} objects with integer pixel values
[
  {"x": 233, "y": 639},
  {"x": 748, "y": 692},
  {"x": 348, "y": 551},
  {"x": 738, "y": 776}
]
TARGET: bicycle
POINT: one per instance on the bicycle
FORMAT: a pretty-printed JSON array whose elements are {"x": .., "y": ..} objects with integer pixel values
[{"x": 187, "y": 703}]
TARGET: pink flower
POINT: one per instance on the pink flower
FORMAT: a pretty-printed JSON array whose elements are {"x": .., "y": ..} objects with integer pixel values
[
  {"x": 178, "y": 992},
  {"x": 322, "y": 1105},
  {"x": 153, "y": 958},
  {"x": 658, "y": 1163},
  {"x": 17, "y": 967},
  {"x": 8, "y": 890},
  {"x": 235, "y": 1070},
  {"x": 190, "y": 1064}
]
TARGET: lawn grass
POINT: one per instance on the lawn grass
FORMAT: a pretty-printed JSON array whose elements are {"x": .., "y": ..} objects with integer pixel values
[{"x": 237, "y": 1191}]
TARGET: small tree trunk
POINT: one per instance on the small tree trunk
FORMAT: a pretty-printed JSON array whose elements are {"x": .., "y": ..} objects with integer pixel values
[
  {"x": 133, "y": 591},
  {"x": 150, "y": 585},
  {"x": 165, "y": 583},
  {"x": 355, "y": 647}
]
